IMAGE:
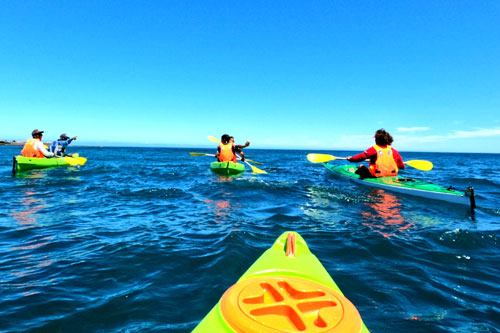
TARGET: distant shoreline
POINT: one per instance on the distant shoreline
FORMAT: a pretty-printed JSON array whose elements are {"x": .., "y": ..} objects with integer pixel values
[
  {"x": 13, "y": 143},
  {"x": 17, "y": 143}
]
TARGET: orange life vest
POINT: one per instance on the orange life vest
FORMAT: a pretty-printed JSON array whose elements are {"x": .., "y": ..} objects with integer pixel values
[
  {"x": 385, "y": 165},
  {"x": 30, "y": 151},
  {"x": 226, "y": 153}
]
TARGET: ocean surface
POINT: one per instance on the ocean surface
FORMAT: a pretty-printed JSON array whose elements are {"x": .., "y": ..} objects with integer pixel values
[{"x": 147, "y": 239}]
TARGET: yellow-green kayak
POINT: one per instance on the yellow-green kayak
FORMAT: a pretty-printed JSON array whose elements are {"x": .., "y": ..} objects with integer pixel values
[{"x": 286, "y": 290}]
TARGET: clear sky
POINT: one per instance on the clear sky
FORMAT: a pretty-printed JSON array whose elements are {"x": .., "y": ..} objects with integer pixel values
[{"x": 281, "y": 74}]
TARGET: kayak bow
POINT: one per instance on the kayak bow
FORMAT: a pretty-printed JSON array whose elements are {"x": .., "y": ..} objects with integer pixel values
[{"x": 286, "y": 290}]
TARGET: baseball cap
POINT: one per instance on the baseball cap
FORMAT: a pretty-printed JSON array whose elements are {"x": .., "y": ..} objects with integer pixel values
[
  {"x": 64, "y": 136},
  {"x": 36, "y": 131}
]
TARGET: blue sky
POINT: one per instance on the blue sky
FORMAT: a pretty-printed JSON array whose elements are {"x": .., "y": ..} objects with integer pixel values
[{"x": 281, "y": 74}]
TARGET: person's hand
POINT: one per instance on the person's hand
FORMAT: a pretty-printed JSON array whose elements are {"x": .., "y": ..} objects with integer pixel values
[
  {"x": 247, "y": 143},
  {"x": 74, "y": 138},
  {"x": 349, "y": 158}
]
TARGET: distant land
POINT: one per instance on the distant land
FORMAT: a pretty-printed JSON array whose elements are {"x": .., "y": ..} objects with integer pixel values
[
  {"x": 11, "y": 143},
  {"x": 17, "y": 143}
]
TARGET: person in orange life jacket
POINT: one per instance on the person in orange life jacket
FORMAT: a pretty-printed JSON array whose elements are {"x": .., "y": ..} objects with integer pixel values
[
  {"x": 238, "y": 148},
  {"x": 226, "y": 150},
  {"x": 384, "y": 160},
  {"x": 34, "y": 147}
]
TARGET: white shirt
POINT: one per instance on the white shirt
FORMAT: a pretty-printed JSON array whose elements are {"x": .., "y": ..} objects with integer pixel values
[{"x": 38, "y": 145}]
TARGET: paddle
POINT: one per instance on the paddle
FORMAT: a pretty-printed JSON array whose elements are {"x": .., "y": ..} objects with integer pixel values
[
  {"x": 201, "y": 154},
  {"x": 420, "y": 164},
  {"x": 211, "y": 138},
  {"x": 417, "y": 164},
  {"x": 321, "y": 158}
]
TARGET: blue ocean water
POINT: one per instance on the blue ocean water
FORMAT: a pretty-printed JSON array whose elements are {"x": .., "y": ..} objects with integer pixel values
[{"x": 146, "y": 239}]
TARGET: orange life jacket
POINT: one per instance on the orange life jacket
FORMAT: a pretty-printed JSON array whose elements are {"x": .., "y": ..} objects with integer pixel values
[
  {"x": 226, "y": 153},
  {"x": 385, "y": 165},
  {"x": 30, "y": 151}
]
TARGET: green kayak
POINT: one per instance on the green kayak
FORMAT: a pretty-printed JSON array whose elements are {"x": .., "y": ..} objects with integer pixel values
[
  {"x": 407, "y": 185},
  {"x": 227, "y": 168},
  {"x": 286, "y": 290},
  {"x": 21, "y": 163}
]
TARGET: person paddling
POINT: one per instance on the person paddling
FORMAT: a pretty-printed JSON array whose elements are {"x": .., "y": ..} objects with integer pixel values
[
  {"x": 226, "y": 150},
  {"x": 384, "y": 160},
  {"x": 34, "y": 147},
  {"x": 238, "y": 148},
  {"x": 58, "y": 147}
]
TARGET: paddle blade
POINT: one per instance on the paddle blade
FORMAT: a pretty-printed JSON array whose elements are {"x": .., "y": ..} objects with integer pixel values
[
  {"x": 420, "y": 164},
  {"x": 255, "y": 169},
  {"x": 320, "y": 158},
  {"x": 211, "y": 138},
  {"x": 197, "y": 154}
]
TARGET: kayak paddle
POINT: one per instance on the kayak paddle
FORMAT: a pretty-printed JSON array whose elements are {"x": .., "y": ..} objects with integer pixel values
[
  {"x": 321, "y": 158},
  {"x": 417, "y": 164},
  {"x": 420, "y": 164},
  {"x": 201, "y": 154}
]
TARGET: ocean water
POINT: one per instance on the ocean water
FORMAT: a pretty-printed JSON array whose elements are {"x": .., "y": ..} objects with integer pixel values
[{"x": 146, "y": 239}]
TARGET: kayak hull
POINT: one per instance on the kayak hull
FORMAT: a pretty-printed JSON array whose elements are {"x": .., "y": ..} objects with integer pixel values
[
  {"x": 227, "y": 168},
  {"x": 22, "y": 163},
  {"x": 276, "y": 267},
  {"x": 404, "y": 185}
]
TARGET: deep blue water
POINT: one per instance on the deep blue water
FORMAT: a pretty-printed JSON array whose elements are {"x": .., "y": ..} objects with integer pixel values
[{"x": 143, "y": 239}]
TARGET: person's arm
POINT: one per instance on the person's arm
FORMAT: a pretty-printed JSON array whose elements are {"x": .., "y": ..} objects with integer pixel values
[
  {"x": 70, "y": 140},
  {"x": 243, "y": 146},
  {"x": 398, "y": 159},
  {"x": 39, "y": 146},
  {"x": 363, "y": 156}
]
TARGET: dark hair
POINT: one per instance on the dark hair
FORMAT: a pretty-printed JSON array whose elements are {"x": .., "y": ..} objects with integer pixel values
[
  {"x": 383, "y": 138},
  {"x": 225, "y": 138}
]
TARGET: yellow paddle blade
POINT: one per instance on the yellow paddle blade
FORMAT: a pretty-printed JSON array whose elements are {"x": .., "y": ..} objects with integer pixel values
[
  {"x": 255, "y": 169},
  {"x": 320, "y": 158},
  {"x": 420, "y": 164},
  {"x": 211, "y": 138}
]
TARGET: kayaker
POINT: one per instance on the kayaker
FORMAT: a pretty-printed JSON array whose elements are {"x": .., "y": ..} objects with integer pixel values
[
  {"x": 384, "y": 160},
  {"x": 226, "y": 150},
  {"x": 238, "y": 148},
  {"x": 58, "y": 147},
  {"x": 34, "y": 147}
]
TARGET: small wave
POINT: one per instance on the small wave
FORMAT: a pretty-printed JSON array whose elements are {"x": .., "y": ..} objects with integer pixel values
[
  {"x": 465, "y": 239},
  {"x": 158, "y": 193}
]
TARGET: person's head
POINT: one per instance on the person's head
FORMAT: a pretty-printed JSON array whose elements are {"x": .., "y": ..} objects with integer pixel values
[
  {"x": 64, "y": 136},
  {"x": 231, "y": 139},
  {"x": 37, "y": 134},
  {"x": 383, "y": 138},
  {"x": 225, "y": 139}
]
